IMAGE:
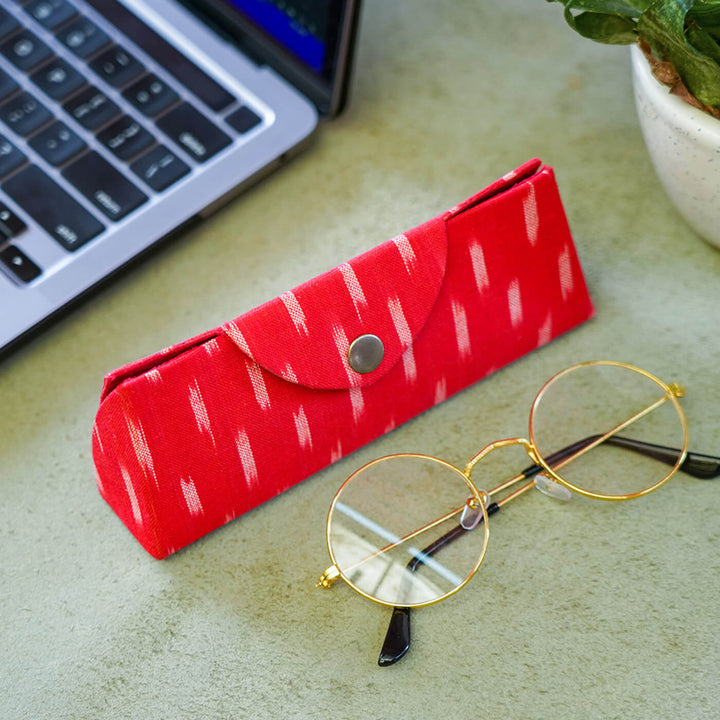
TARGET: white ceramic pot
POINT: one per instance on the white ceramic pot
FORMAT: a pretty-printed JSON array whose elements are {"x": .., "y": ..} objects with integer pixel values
[{"x": 684, "y": 145}]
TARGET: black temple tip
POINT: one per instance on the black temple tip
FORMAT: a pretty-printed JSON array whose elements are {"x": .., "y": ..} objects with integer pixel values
[{"x": 397, "y": 639}]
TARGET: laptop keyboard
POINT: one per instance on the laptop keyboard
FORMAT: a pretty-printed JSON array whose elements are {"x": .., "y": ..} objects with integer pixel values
[{"x": 93, "y": 124}]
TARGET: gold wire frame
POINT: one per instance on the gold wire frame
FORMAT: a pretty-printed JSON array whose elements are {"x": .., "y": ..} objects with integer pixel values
[
  {"x": 477, "y": 495},
  {"x": 671, "y": 393}
]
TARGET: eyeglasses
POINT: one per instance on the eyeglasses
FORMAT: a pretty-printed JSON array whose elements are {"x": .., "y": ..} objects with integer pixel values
[{"x": 410, "y": 530}]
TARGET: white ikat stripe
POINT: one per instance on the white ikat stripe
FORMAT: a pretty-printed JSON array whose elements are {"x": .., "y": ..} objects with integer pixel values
[
  {"x": 336, "y": 453},
  {"x": 407, "y": 253},
  {"x": 515, "y": 303},
  {"x": 400, "y": 321},
  {"x": 98, "y": 439},
  {"x": 141, "y": 448},
  {"x": 567, "y": 280},
  {"x": 295, "y": 311},
  {"x": 403, "y": 330},
  {"x": 477, "y": 260},
  {"x": 462, "y": 333},
  {"x": 357, "y": 400},
  {"x": 192, "y": 499},
  {"x": 197, "y": 403},
  {"x": 289, "y": 374},
  {"x": 409, "y": 365},
  {"x": 343, "y": 345},
  {"x": 354, "y": 288},
  {"x": 545, "y": 331},
  {"x": 302, "y": 427},
  {"x": 440, "y": 391},
  {"x": 247, "y": 459},
  {"x": 237, "y": 337},
  {"x": 134, "y": 504},
  {"x": 212, "y": 346},
  {"x": 154, "y": 376},
  {"x": 258, "y": 384},
  {"x": 530, "y": 210}
]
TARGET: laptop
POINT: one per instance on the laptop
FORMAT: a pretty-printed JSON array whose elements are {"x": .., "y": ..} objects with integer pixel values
[{"x": 123, "y": 121}]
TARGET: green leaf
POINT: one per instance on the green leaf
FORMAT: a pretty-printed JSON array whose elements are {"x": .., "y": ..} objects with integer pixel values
[
  {"x": 685, "y": 33},
  {"x": 605, "y": 21},
  {"x": 703, "y": 42},
  {"x": 706, "y": 13},
  {"x": 631, "y": 8},
  {"x": 663, "y": 27},
  {"x": 612, "y": 29}
]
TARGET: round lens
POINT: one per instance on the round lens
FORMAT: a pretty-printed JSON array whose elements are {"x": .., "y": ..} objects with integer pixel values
[
  {"x": 397, "y": 530},
  {"x": 605, "y": 429}
]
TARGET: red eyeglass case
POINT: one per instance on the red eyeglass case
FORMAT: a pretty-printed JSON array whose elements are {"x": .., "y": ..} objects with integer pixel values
[{"x": 194, "y": 436}]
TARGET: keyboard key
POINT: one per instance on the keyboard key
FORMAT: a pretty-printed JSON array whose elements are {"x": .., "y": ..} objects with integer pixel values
[
  {"x": 91, "y": 108},
  {"x": 104, "y": 186},
  {"x": 243, "y": 119},
  {"x": 125, "y": 138},
  {"x": 10, "y": 157},
  {"x": 52, "y": 208},
  {"x": 7, "y": 85},
  {"x": 116, "y": 66},
  {"x": 51, "y": 13},
  {"x": 210, "y": 92},
  {"x": 150, "y": 95},
  {"x": 83, "y": 37},
  {"x": 25, "y": 51},
  {"x": 159, "y": 168},
  {"x": 10, "y": 224},
  {"x": 57, "y": 143},
  {"x": 7, "y": 23},
  {"x": 19, "y": 264},
  {"x": 58, "y": 79},
  {"x": 24, "y": 114},
  {"x": 193, "y": 132}
]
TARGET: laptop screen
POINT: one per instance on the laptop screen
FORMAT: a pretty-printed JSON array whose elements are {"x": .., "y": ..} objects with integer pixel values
[
  {"x": 308, "y": 41},
  {"x": 305, "y": 27}
]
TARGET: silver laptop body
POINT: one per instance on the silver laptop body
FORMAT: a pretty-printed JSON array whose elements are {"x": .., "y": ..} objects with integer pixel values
[{"x": 121, "y": 122}]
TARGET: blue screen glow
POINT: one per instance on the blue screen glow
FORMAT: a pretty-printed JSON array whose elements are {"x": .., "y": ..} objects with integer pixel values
[{"x": 298, "y": 31}]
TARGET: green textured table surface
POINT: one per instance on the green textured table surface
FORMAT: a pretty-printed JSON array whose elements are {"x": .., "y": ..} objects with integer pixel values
[{"x": 592, "y": 610}]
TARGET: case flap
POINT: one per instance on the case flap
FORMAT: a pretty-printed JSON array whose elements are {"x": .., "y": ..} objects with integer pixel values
[{"x": 304, "y": 335}]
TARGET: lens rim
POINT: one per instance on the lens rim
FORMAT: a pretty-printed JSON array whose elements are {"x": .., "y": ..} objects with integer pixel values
[
  {"x": 672, "y": 397},
  {"x": 477, "y": 494}
]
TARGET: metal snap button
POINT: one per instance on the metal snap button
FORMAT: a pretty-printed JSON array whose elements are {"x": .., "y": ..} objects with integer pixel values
[{"x": 365, "y": 353}]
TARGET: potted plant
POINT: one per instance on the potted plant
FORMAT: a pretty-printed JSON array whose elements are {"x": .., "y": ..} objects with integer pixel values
[{"x": 676, "y": 80}]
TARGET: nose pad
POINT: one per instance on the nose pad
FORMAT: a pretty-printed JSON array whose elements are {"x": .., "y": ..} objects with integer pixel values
[
  {"x": 548, "y": 486},
  {"x": 472, "y": 513}
]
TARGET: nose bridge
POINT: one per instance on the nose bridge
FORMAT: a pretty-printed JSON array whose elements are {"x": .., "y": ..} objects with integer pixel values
[{"x": 526, "y": 444}]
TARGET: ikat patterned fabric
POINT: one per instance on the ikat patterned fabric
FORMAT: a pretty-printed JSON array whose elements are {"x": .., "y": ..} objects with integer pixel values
[{"x": 194, "y": 436}]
